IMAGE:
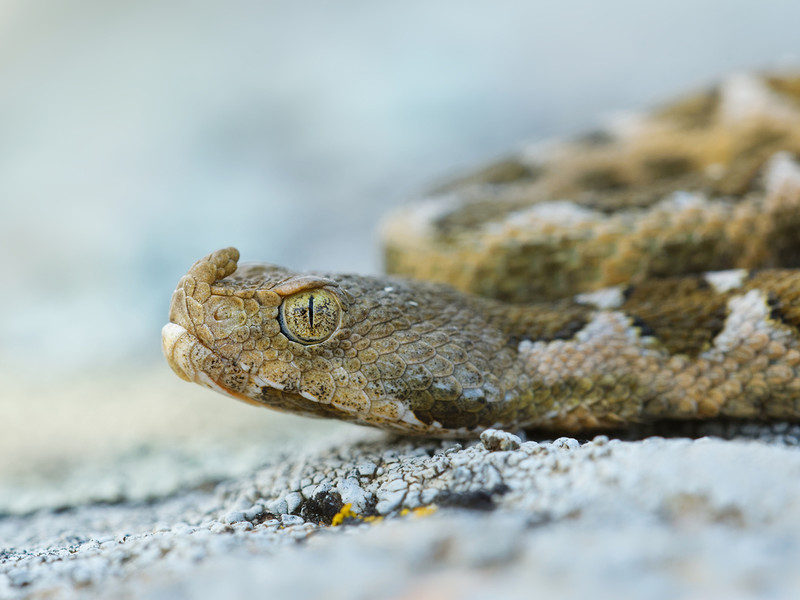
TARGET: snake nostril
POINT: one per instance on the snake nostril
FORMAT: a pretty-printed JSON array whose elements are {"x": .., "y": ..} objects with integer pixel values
[{"x": 234, "y": 315}]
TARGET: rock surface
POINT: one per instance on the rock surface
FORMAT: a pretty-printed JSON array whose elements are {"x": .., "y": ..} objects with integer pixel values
[{"x": 359, "y": 514}]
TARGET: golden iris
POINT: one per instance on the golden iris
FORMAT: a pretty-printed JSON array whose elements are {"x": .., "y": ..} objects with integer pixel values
[{"x": 310, "y": 317}]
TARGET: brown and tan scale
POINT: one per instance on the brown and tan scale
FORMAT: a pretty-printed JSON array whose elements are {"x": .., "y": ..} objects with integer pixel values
[{"x": 579, "y": 296}]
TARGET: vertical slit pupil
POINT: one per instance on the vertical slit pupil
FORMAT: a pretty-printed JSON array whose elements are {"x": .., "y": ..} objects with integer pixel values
[{"x": 311, "y": 311}]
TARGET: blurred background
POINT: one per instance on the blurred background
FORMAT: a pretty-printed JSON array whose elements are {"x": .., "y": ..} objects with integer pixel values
[{"x": 136, "y": 137}]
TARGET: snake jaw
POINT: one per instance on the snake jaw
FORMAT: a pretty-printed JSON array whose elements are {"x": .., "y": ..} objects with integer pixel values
[
  {"x": 173, "y": 336},
  {"x": 186, "y": 356}
]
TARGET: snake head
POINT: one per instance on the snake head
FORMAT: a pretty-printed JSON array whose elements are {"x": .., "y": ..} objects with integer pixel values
[
  {"x": 254, "y": 331},
  {"x": 303, "y": 343},
  {"x": 378, "y": 351}
]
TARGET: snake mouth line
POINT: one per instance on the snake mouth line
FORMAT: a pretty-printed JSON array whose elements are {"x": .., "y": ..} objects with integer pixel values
[
  {"x": 172, "y": 337},
  {"x": 183, "y": 350},
  {"x": 179, "y": 346}
]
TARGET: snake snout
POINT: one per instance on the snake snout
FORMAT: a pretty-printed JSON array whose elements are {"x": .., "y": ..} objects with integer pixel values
[{"x": 176, "y": 343}]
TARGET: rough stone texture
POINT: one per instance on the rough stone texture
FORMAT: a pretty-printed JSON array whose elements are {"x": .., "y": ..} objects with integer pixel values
[{"x": 657, "y": 518}]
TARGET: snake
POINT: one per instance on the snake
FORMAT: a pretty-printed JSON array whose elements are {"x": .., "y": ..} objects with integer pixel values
[{"x": 642, "y": 272}]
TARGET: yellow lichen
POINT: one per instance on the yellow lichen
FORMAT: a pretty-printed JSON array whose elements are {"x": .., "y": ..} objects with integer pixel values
[{"x": 347, "y": 513}]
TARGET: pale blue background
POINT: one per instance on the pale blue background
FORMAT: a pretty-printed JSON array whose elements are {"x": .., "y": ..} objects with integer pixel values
[{"x": 136, "y": 137}]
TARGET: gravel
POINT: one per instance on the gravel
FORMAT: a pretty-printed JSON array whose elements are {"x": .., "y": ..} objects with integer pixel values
[{"x": 368, "y": 516}]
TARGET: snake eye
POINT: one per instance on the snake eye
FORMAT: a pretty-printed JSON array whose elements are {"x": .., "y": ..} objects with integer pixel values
[{"x": 310, "y": 317}]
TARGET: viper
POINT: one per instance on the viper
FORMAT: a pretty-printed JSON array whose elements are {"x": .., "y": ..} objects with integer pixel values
[{"x": 642, "y": 272}]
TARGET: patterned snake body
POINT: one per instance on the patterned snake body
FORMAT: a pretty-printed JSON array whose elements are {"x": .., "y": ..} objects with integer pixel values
[{"x": 631, "y": 343}]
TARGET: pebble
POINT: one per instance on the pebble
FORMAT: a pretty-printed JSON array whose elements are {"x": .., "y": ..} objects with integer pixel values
[
  {"x": 566, "y": 443},
  {"x": 293, "y": 501},
  {"x": 389, "y": 500},
  {"x": 352, "y": 493},
  {"x": 253, "y": 511},
  {"x": 271, "y": 523},
  {"x": 496, "y": 439},
  {"x": 278, "y": 507},
  {"x": 395, "y": 485},
  {"x": 233, "y": 517},
  {"x": 367, "y": 469}
]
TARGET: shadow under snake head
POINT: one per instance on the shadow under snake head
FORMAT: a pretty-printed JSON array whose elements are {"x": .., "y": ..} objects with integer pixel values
[{"x": 410, "y": 356}]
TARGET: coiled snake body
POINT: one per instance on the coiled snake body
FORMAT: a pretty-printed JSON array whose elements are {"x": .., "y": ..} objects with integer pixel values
[{"x": 577, "y": 294}]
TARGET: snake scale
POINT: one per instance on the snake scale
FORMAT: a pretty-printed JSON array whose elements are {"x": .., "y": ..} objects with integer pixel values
[{"x": 643, "y": 272}]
